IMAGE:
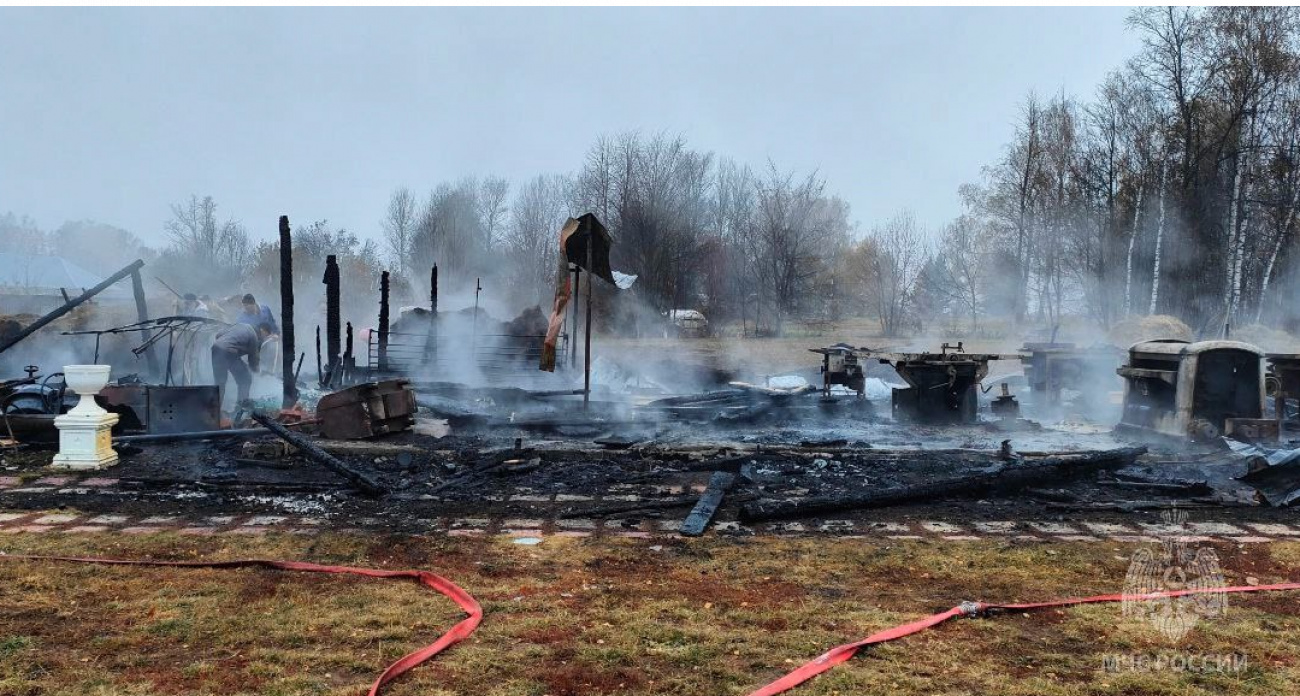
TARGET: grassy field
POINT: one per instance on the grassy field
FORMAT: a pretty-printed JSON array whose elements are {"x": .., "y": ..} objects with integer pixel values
[{"x": 610, "y": 616}]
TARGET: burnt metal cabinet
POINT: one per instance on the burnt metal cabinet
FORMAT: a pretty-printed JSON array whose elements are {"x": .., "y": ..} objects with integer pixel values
[{"x": 156, "y": 409}]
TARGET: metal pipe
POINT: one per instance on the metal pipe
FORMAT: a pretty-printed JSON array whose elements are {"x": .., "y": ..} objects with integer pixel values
[
  {"x": 586, "y": 368},
  {"x": 473, "y": 341},
  {"x": 181, "y": 437},
  {"x": 573, "y": 343},
  {"x": 71, "y": 305}
]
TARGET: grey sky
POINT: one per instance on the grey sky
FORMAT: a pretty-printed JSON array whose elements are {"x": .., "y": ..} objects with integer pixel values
[{"x": 113, "y": 114}]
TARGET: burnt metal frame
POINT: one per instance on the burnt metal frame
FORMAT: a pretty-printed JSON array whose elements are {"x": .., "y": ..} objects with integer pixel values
[
  {"x": 487, "y": 357},
  {"x": 170, "y": 328}
]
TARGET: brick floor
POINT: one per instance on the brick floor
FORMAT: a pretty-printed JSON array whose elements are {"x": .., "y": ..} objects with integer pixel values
[
  {"x": 85, "y": 529},
  {"x": 1022, "y": 531},
  {"x": 59, "y": 518}
]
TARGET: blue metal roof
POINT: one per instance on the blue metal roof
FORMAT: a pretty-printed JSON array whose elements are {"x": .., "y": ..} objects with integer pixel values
[{"x": 30, "y": 274}]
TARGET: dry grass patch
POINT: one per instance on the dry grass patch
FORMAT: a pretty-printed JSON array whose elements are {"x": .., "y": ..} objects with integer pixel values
[{"x": 568, "y": 617}]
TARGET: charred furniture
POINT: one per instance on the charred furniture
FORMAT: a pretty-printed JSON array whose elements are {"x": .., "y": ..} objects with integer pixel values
[{"x": 367, "y": 410}]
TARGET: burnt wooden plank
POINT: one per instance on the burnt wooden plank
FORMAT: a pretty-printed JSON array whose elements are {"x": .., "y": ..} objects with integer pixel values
[{"x": 703, "y": 512}]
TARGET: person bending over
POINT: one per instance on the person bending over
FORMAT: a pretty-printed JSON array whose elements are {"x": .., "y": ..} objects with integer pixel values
[{"x": 230, "y": 347}]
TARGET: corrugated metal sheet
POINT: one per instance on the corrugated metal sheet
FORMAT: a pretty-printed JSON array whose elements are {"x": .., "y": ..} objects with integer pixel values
[{"x": 30, "y": 274}]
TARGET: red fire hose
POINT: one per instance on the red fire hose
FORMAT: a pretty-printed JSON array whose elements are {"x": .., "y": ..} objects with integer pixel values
[
  {"x": 843, "y": 653},
  {"x": 448, "y": 588}
]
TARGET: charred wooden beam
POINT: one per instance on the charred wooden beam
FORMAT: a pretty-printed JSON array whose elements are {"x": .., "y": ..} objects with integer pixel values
[
  {"x": 998, "y": 476},
  {"x": 71, "y": 305},
  {"x": 349, "y": 361},
  {"x": 142, "y": 315},
  {"x": 431, "y": 339},
  {"x": 625, "y": 508},
  {"x": 320, "y": 375},
  {"x": 290, "y": 396},
  {"x": 363, "y": 481},
  {"x": 332, "y": 338},
  {"x": 707, "y": 507},
  {"x": 433, "y": 290}
]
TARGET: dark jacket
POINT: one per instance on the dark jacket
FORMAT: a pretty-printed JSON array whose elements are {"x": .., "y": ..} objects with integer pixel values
[
  {"x": 262, "y": 316},
  {"x": 240, "y": 340}
]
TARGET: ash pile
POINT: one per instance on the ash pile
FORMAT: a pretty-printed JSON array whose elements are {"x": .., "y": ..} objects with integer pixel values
[{"x": 436, "y": 413}]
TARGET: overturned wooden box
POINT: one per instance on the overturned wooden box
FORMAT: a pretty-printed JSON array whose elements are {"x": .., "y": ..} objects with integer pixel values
[{"x": 367, "y": 410}]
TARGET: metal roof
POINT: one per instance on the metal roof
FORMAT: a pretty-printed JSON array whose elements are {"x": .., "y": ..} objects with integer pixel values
[{"x": 30, "y": 274}]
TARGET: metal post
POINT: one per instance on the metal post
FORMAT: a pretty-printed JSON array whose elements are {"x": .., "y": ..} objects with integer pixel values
[
  {"x": 573, "y": 332},
  {"x": 586, "y": 369},
  {"x": 473, "y": 340},
  {"x": 290, "y": 375}
]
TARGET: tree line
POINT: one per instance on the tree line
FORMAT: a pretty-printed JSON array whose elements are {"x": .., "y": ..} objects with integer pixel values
[{"x": 1173, "y": 190}]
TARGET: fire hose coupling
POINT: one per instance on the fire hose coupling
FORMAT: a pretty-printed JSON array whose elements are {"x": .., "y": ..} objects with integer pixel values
[{"x": 969, "y": 608}]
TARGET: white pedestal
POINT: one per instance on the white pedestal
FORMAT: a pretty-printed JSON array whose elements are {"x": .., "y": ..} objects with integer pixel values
[
  {"x": 85, "y": 441},
  {"x": 85, "y": 432}
]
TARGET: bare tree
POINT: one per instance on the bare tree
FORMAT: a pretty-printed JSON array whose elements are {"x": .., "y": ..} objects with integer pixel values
[
  {"x": 888, "y": 264},
  {"x": 958, "y": 270},
  {"x": 206, "y": 253},
  {"x": 21, "y": 235},
  {"x": 492, "y": 194},
  {"x": 399, "y": 228},
  {"x": 531, "y": 239}
]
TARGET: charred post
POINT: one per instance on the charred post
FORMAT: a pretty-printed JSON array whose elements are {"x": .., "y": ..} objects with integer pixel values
[
  {"x": 382, "y": 357},
  {"x": 348, "y": 359},
  {"x": 142, "y": 315},
  {"x": 364, "y": 482},
  {"x": 332, "y": 338},
  {"x": 320, "y": 375},
  {"x": 431, "y": 340},
  {"x": 286, "y": 315}
]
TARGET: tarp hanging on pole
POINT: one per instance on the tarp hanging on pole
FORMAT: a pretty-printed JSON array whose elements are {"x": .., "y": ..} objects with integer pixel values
[{"x": 575, "y": 236}]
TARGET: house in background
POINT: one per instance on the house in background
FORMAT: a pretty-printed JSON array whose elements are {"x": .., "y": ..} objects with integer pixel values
[{"x": 35, "y": 284}]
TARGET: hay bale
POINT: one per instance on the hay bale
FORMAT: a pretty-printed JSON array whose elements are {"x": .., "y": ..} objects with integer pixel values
[
  {"x": 1135, "y": 329},
  {"x": 1269, "y": 339}
]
